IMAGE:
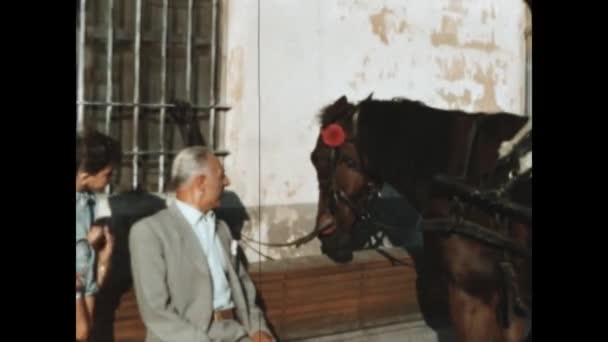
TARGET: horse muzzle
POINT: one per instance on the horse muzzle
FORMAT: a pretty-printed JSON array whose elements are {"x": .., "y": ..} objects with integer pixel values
[{"x": 328, "y": 223}]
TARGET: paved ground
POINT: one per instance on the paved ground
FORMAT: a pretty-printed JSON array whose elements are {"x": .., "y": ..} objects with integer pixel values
[{"x": 416, "y": 331}]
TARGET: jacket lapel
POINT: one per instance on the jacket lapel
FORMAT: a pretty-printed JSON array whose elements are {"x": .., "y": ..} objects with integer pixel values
[
  {"x": 190, "y": 241},
  {"x": 233, "y": 278}
]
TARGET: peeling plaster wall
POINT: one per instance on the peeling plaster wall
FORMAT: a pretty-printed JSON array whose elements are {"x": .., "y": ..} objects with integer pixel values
[{"x": 449, "y": 54}]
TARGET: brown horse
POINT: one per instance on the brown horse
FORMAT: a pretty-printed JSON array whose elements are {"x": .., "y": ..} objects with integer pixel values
[{"x": 482, "y": 283}]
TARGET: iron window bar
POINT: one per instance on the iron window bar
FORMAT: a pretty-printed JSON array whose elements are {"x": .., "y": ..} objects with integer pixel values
[{"x": 113, "y": 36}]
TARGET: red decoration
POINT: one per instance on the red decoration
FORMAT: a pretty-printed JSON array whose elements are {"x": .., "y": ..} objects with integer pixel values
[{"x": 333, "y": 135}]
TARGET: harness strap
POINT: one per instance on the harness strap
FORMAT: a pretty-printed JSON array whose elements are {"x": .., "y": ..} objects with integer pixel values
[
  {"x": 487, "y": 201},
  {"x": 512, "y": 301},
  {"x": 476, "y": 232},
  {"x": 468, "y": 152},
  {"x": 506, "y": 307},
  {"x": 518, "y": 301}
]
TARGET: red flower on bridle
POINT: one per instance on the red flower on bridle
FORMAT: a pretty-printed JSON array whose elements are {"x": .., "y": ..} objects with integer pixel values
[{"x": 333, "y": 135}]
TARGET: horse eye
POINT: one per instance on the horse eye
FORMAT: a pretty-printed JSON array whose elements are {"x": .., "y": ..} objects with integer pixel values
[{"x": 350, "y": 163}]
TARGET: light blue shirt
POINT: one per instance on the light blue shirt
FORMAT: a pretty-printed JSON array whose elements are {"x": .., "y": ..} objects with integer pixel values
[
  {"x": 204, "y": 226},
  {"x": 85, "y": 207}
]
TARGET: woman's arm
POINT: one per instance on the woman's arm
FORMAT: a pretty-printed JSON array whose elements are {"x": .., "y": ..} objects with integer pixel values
[{"x": 102, "y": 241}]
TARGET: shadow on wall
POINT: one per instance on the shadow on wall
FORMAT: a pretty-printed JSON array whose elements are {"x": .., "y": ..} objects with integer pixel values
[{"x": 233, "y": 212}]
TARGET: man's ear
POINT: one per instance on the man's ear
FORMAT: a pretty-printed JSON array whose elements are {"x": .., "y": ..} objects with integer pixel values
[{"x": 199, "y": 180}]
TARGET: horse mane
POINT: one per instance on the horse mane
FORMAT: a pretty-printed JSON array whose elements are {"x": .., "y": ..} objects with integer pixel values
[
  {"x": 434, "y": 141},
  {"x": 414, "y": 129},
  {"x": 341, "y": 109}
]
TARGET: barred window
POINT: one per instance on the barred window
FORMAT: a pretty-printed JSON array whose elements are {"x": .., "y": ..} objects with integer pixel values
[
  {"x": 528, "y": 37},
  {"x": 136, "y": 61}
]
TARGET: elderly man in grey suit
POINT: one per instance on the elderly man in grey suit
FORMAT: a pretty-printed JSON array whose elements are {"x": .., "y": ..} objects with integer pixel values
[{"x": 188, "y": 285}]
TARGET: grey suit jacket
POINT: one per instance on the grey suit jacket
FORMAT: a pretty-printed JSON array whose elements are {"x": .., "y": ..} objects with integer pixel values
[{"x": 173, "y": 285}]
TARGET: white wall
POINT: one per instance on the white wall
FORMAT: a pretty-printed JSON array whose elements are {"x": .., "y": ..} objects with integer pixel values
[{"x": 449, "y": 54}]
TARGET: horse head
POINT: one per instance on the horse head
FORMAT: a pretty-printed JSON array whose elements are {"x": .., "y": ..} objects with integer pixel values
[{"x": 344, "y": 186}]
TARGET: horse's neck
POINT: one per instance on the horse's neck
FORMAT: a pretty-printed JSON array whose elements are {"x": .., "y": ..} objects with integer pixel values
[
  {"x": 419, "y": 144},
  {"x": 417, "y": 148}
]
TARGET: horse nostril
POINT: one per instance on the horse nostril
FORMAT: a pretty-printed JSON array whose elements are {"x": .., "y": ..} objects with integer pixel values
[
  {"x": 326, "y": 224},
  {"x": 328, "y": 230}
]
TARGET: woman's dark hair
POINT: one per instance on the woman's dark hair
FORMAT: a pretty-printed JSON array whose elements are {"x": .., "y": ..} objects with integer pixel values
[{"x": 95, "y": 151}]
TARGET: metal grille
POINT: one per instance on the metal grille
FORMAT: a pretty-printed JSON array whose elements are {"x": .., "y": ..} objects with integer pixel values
[
  {"x": 528, "y": 42},
  {"x": 135, "y": 58},
  {"x": 529, "y": 75}
]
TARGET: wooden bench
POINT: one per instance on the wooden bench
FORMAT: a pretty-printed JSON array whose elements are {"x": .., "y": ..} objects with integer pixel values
[{"x": 312, "y": 296}]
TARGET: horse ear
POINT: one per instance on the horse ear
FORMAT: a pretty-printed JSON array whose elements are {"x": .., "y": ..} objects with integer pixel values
[
  {"x": 341, "y": 101},
  {"x": 369, "y": 97}
]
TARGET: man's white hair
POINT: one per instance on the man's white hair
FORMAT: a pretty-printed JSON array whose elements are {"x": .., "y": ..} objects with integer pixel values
[{"x": 189, "y": 162}]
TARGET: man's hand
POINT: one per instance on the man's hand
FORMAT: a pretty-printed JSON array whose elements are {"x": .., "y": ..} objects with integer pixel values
[
  {"x": 261, "y": 336},
  {"x": 105, "y": 250},
  {"x": 79, "y": 284},
  {"x": 96, "y": 237},
  {"x": 102, "y": 241}
]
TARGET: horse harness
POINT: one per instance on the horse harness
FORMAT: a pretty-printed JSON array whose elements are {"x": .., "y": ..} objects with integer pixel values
[
  {"x": 458, "y": 225},
  {"x": 464, "y": 196},
  {"x": 338, "y": 195},
  {"x": 491, "y": 200}
]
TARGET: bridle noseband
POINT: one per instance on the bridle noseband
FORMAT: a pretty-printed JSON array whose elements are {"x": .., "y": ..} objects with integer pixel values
[{"x": 337, "y": 195}]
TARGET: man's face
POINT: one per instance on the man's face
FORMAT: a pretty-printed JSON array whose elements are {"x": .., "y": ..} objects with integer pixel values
[
  {"x": 98, "y": 181},
  {"x": 213, "y": 184}
]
